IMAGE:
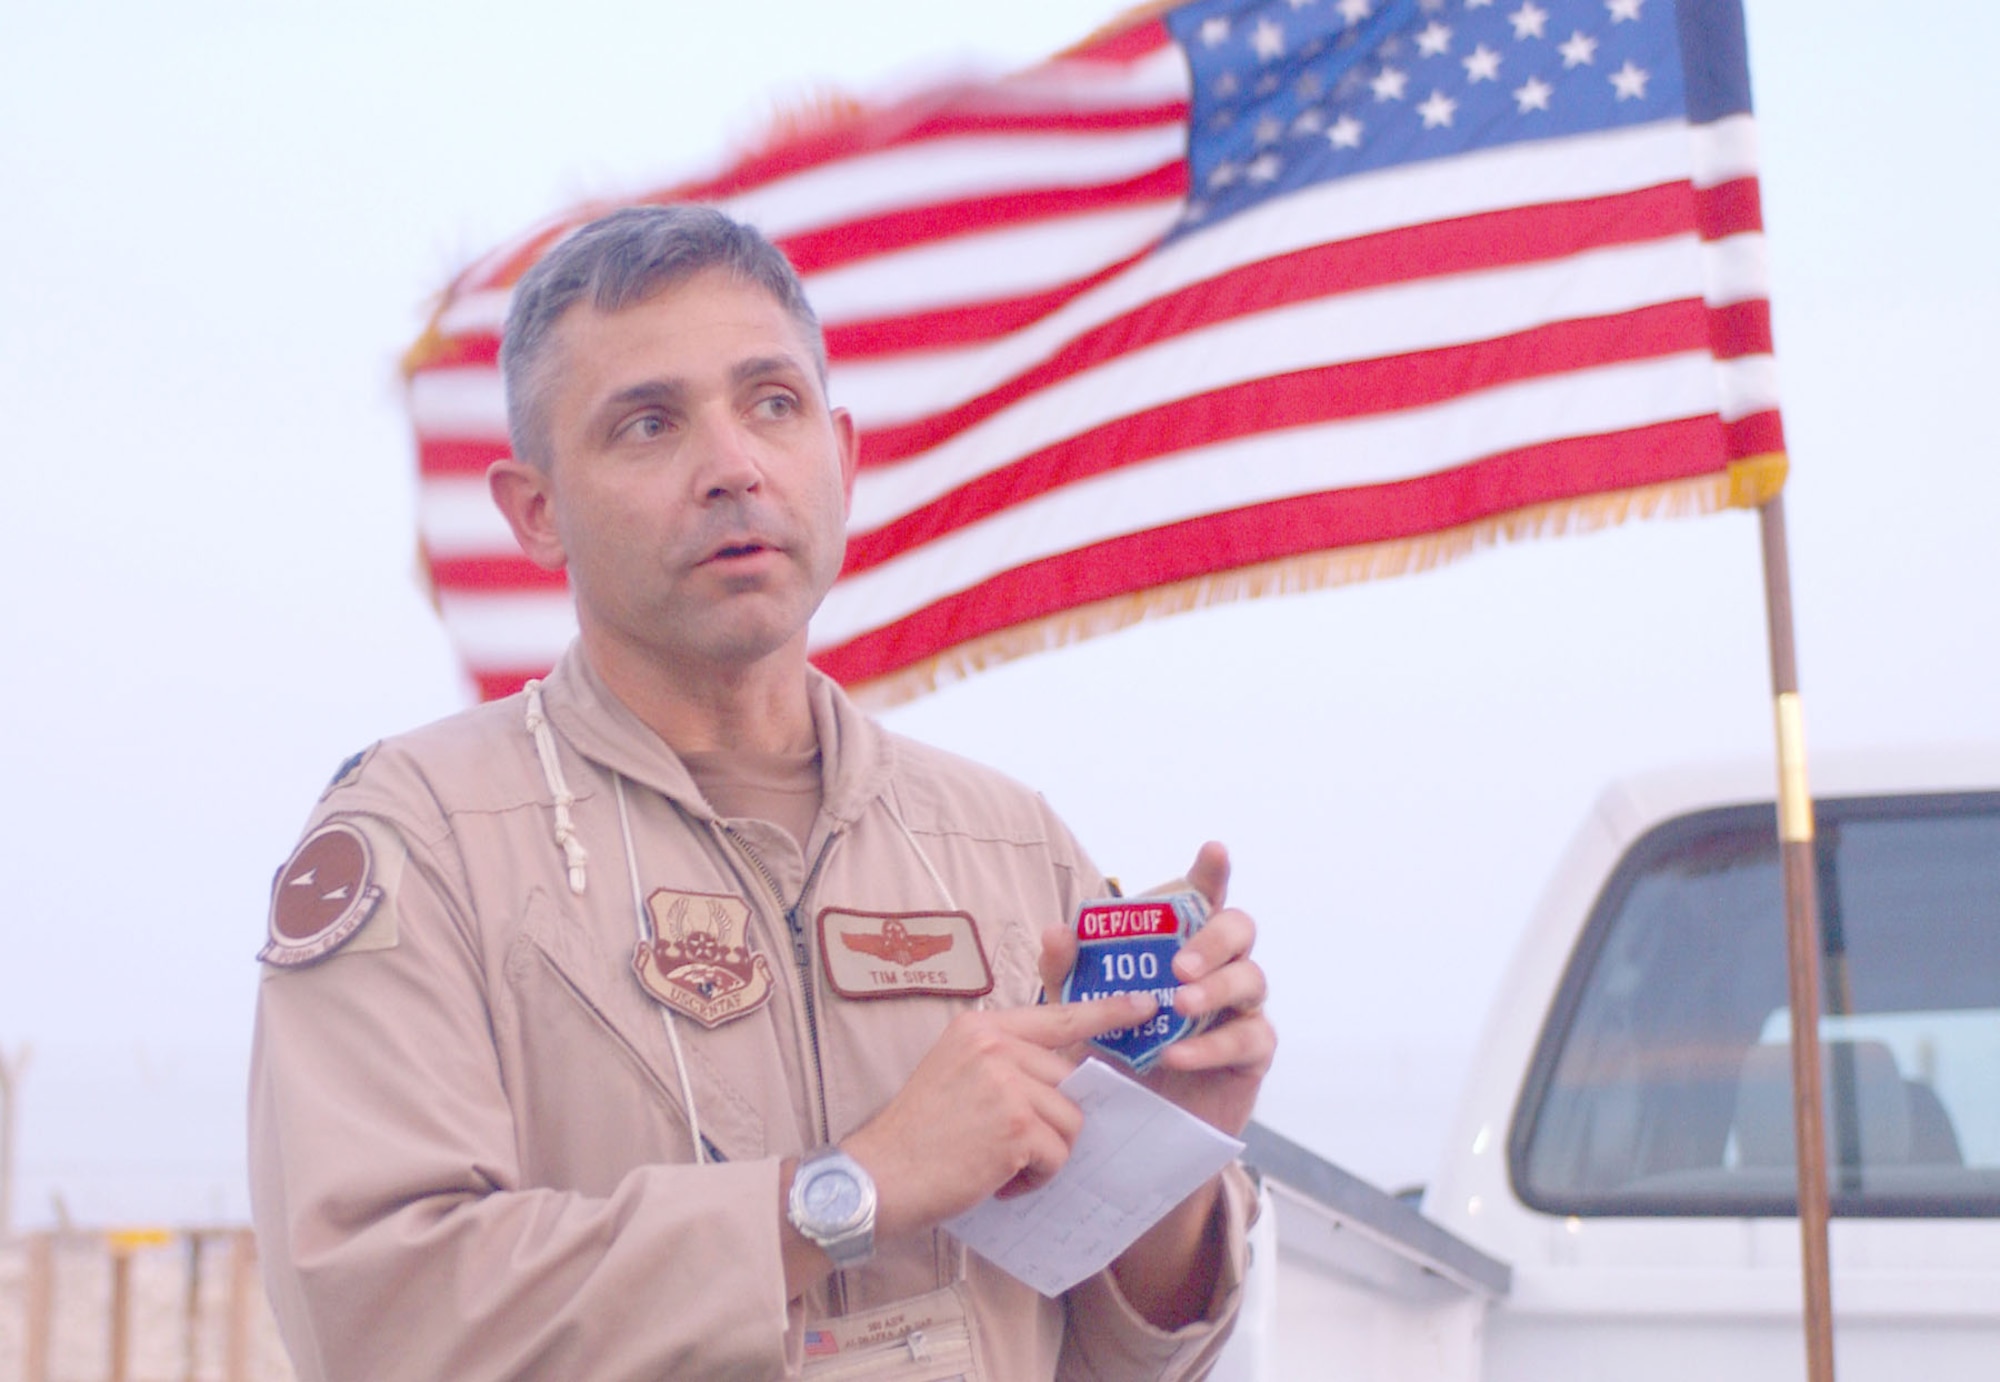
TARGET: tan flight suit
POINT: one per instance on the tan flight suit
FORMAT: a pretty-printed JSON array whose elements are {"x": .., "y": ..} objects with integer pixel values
[{"x": 469, "y": 1144}]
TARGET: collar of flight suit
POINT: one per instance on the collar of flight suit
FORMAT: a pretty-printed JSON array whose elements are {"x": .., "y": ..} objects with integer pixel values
[{"x": 855, "y": 754}]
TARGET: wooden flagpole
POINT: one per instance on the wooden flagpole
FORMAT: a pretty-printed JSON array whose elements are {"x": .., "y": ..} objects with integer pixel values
[{"x": 1802, "y": 944}]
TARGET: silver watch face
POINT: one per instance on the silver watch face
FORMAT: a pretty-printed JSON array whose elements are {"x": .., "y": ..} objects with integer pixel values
[{"x": 832, "y": 1197}]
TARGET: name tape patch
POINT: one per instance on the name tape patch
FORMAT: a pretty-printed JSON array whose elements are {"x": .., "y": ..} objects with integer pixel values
[{"x": 892, "y": 954}]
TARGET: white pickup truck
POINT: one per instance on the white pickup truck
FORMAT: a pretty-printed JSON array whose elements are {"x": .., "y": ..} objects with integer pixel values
[{"x": 1616, "y": 1200}]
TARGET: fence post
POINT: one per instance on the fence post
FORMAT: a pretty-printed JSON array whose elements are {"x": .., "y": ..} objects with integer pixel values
[
  {"x": 41, "y": 1307},
  {"x": 191, "y": 1366},
  {"x": 121, "y": 1310},
  {"x": 122, "y": 1244},
  {"x": 242, "y": 1292}
]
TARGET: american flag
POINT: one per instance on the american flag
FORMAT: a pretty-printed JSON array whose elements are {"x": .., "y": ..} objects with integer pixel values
[{"x": 1237, "y": 297}]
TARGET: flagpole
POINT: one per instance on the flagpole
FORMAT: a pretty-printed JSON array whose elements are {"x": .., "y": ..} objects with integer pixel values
[{"x": 1802, "y": 944}]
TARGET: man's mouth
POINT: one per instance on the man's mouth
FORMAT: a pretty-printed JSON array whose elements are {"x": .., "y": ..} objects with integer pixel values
[{"x": 735, "y": 550}]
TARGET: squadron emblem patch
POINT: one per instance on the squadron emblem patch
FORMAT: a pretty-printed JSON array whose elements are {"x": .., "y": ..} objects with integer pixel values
[
  {"x": 889, "y": 954},
  {"x": 699, "y": 961},
  {"x": 324, "y": 895}
]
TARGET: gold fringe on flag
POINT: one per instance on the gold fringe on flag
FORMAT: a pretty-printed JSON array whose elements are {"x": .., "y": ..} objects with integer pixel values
[
  {"x": 1745, "y": 485},
  {"x": 427, "y": 349}
]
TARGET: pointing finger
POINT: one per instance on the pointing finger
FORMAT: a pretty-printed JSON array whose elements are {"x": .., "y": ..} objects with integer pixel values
[{"x": 1064, "y": 1024}]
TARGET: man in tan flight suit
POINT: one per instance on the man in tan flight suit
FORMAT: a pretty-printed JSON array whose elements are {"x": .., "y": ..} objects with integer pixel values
[{"x": 648, "y": 1024}]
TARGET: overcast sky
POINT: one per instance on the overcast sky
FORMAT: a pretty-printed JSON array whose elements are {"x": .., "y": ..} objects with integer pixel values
[{"x": 224, "y": 220}]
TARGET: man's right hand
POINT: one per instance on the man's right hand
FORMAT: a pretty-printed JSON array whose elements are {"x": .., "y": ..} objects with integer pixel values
[{"x": 981, "y": 1113}]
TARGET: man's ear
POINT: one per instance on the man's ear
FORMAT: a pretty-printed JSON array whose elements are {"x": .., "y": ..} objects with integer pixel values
[
  {"x": 526, "y": 498},
  {"x": 849, "y": 441}
]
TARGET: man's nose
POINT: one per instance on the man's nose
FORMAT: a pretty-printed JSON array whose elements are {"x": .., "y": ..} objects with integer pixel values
[{"x": 729, "y": 461}]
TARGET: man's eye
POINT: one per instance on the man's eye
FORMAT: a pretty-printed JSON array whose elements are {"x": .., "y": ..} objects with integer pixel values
[
  {"x": 645, "y": 428},
  {"x": 778, "y": 405}
]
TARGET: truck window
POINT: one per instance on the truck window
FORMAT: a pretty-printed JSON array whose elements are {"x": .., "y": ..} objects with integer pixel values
[{"x": 1662, "y": 1084}]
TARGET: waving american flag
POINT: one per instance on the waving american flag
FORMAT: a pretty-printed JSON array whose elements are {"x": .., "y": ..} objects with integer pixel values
[{"x": 1238, "y": 297}]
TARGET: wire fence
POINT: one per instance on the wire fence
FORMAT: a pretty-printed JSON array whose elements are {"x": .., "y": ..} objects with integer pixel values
[{"x": 138, "y": 1305}]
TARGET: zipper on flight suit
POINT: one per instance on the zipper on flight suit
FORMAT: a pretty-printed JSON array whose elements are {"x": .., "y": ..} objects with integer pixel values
[{"x": 801, "y": 956}]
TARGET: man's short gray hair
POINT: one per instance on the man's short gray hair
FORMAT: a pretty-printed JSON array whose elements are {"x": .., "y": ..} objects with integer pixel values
[{"x": 618, "y": 261}]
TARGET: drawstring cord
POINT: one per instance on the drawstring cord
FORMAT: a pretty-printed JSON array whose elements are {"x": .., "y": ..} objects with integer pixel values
[
  {"x": 645, "y": 937},
  {"x": 950, "y": 903},
  {"x": 574, "y": 854}
]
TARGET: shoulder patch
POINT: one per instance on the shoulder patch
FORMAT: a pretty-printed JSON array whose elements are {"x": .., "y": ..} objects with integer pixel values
[
  {"x": 699, "y": 961},
  {"x": 349, "y": 769},
  {"x": 325, "y": 896}
]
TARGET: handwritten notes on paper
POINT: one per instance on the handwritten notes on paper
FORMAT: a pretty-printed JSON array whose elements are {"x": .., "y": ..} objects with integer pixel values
[{"x": 1137, "y": 1157}]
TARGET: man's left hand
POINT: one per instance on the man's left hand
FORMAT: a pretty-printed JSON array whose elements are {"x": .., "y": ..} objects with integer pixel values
[{"x": 1217, "y": 1074}]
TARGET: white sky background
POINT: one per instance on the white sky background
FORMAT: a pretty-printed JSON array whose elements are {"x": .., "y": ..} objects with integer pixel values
[{"x": 220, "y": 224}]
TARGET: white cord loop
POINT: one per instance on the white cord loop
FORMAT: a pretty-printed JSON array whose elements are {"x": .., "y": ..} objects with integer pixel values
[
  {"x": 574, "y": 854},
  {"x": 645, "y": 929},
  {"x": 937, "y": 880}
]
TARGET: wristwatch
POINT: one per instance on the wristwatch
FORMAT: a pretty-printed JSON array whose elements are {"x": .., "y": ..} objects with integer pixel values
[{"x": 833, "y": 1204}]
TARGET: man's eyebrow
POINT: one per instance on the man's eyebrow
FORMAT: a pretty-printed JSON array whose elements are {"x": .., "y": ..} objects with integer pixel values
[
  {"x": 761, "y": 365},
  {"x": 647, "y": 391},
  {"x": 667, "y": 392}
]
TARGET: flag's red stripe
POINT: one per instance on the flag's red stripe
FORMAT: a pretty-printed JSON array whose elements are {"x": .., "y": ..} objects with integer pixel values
[
  {"x": 819, "y": 250},
  {"x": 507, "y": 272},
  {"x": 1758, "y": 434},
  {"x": 1126, "y": 44},
  {"x": 494, "y": 685},
  {"x": 459, "y": 455},
  {"x": 960, "y": 326},
  {"x": 1741, "y": 328},
  {"x": 1728, "y": 208},
  {"x": 468, "y": 348},
  {"x": 1267, "y": 532},
  {"x": 1490, "y": 240},
  {"x": 1487, "y": 241},
  {"x": 1735, "y": 330},
  {"x": 487, "y": 574},
  {"x": 949, "y": 114},
  {"x": 859, "y": 340},
  {"x": 1301, "y": 399}
]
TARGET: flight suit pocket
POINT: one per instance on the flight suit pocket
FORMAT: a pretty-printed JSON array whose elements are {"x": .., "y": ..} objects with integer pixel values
[
  {"x": 923, "y": 1339},
  {"x": 587, "y": 1052}
]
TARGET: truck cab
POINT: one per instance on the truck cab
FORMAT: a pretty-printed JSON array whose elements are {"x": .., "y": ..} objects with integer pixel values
[{"x": 1617, "y": 1196}]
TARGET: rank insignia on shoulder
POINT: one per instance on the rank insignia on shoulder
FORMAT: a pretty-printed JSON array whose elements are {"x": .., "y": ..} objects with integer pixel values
[
  {"x": 698, "y": 961},
  {"x": 323, "y": 898},
  {"x": 1127, "y": 945},
  {"x": 349, "y": 769},
  {"x": 891, "y": 954}
]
